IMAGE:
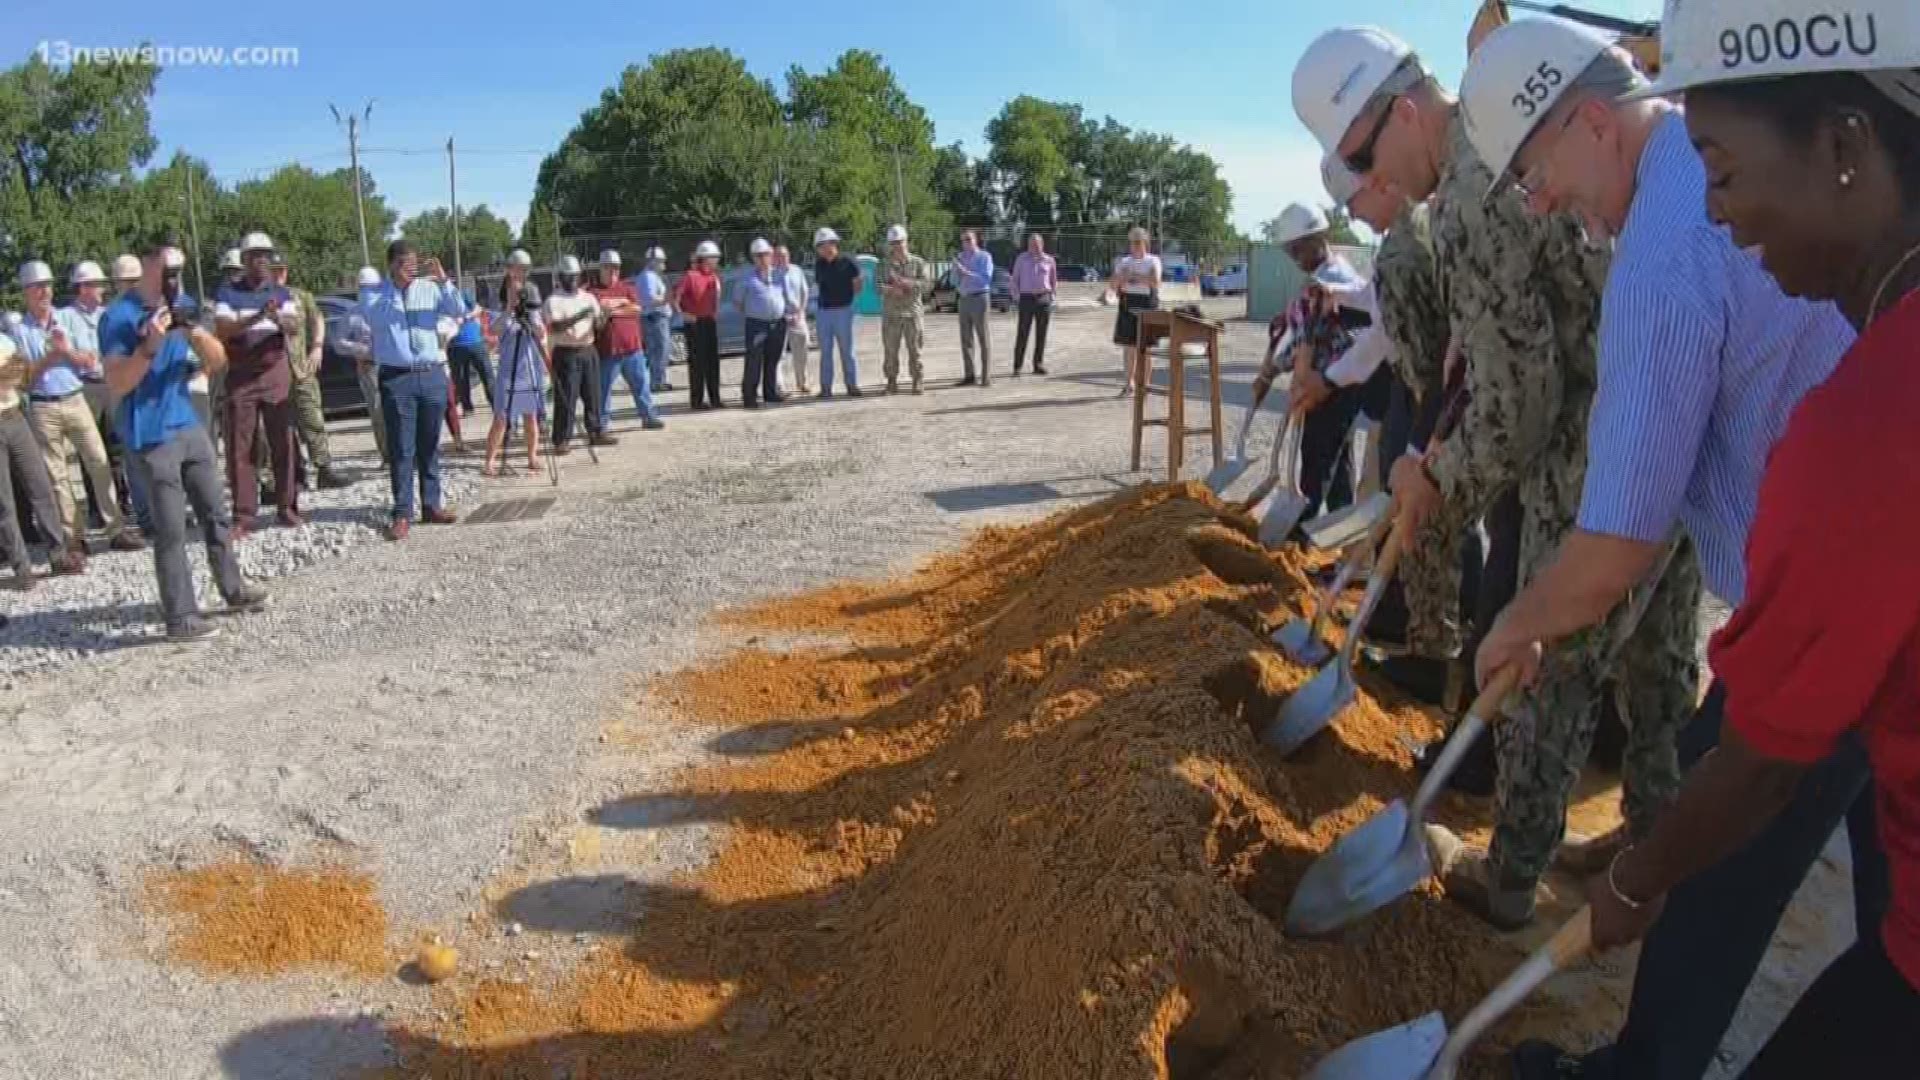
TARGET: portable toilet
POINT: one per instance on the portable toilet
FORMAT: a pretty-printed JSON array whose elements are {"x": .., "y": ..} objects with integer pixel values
[{"x": 868, "y": 301}]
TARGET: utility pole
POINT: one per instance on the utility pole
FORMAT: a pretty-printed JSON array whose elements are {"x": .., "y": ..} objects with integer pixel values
[
  {"x": 900, "y": 185},
  {"x": 193, "y": 234},
  {"x": 353, "y": 121},
  {"x": 453, "y": 199},
  {"x": 556, "y": 238}
]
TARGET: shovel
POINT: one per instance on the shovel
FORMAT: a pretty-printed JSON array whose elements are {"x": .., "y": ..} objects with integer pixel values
[
  {"x": 1280, "y": 510},
  {"x": 1236, "y": 466},
  {"x": 1387, "y": 856},
  {"x": 1300, "y": 639},
  {"x": 1331, "y": 690},
  {"x": 1422, "y": 1050},
  {"x": 1336, "y": 529}
]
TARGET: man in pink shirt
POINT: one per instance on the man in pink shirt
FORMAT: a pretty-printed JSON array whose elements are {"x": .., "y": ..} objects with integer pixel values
[{"x": 1034, "y": 279}]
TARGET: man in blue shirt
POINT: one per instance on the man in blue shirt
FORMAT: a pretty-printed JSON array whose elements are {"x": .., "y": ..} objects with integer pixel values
[
  {"x": 761, "y": 296},
  {"x": 656, "y": 317},
  {"x": 1702, "y": 360},
  {"x": 973, "y": 277},
  {"x": 403, "y": 315},
  {"x": 22, "y": 463},
  {"x": 149, "y": 359}
]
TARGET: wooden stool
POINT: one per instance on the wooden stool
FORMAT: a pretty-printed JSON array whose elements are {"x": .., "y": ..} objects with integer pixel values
[{"x": 1178, "y": 330}]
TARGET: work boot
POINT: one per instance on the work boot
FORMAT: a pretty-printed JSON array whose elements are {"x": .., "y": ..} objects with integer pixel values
[
  {"x": 330, "y": 480},
  {"x": 248, "y": 600},
  {"x": 398, "y": 529},
  {"x": 191, "y": 629},
  {"x": 1469, "y": 878},
  {"x": 1537, "y": 1059},
  {"x": 439, "y": 515},
  {"x": 67, "y": 563},
  {"x": 127, "y": 540},
  {"x": 1586, "y": 856}
]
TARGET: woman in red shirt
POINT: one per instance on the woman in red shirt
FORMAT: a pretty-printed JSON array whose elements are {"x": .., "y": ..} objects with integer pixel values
[
  {"x": 1815, "y": 160},
  {"x": 697, "y": 295}
]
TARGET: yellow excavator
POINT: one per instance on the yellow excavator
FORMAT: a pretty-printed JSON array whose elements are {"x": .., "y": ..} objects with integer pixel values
[{"x": 1641, "y": 39}]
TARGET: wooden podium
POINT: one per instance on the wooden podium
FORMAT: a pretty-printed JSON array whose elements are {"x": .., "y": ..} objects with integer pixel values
[{"x": 1177, "y": 330}]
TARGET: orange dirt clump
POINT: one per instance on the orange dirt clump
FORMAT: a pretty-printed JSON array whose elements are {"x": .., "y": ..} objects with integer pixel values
[
  {"x": 245, "y": 918},
  {"x": 1012, "y": 831}
]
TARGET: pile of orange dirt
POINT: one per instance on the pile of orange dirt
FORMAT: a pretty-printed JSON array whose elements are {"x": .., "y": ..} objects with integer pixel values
[
  {"x": 245, "y": 918},
  {"x": 1008, "y": 829}
]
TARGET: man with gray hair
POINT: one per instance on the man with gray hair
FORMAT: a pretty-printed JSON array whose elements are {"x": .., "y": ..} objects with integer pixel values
[
  {"x": 1702, "y": 360},
  {"x": 1523, "y": 299}
]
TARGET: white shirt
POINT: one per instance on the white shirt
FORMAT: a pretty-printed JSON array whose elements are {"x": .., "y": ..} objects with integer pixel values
[
  {"x": 563, "y": 305},
  {"x": 1137, "y": 275}
]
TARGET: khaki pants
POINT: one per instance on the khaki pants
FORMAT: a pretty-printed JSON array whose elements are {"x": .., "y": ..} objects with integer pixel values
[
  {"x": 64, "y": 428},
  {"x": 894, "y": 330},
  {"x": 797, "y": 354}
]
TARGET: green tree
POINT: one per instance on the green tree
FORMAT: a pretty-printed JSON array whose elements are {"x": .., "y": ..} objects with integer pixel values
[
  {"x": 310, "y": 217},
  {"x": 484, "y": 236},
  {"x": 1041, "y": 150},
  {"x": 963, "y": 187},
  {"x": 537, "y": 234}
]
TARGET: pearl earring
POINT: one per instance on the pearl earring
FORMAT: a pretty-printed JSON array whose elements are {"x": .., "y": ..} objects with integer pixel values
[{"x": 1846, "y": 178}]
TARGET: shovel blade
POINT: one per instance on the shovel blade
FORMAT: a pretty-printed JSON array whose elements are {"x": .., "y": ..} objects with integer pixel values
[
  {"x": 1398, "y": 1053},
  {"x": 1225, "y": 473},
  {"x": 1298, "y": 642},
  {"x": 1347, "y": 525},
  {"x": 1369, "y": 868},
  {"x": 1280, "y": 513},
  {"x": 1311, "y": 708}
]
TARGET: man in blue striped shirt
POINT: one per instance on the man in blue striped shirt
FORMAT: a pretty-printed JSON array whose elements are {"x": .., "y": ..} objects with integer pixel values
[
  {"x": 1702, "y": 359},
  {"x": 403, "y": 317}
]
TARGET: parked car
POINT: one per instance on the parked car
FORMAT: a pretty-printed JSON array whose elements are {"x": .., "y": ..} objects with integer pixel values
[
  {"x": 946, "y": 295},
  {"x": 1231, "y": 281},
  {"x": 1077, "y": 273},
  {"x": 339, "y": 381},
  {"x": 733, "y": 326}
]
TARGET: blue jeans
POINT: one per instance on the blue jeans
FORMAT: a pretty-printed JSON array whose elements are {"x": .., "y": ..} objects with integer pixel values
[
  {"x": 836, "y": 325},
  {"x": 1700, "y": 956},
  {"x": 633, "y": 368},
  {"x": 413, "y": 403},
  {"x": 657, "y": 340}
]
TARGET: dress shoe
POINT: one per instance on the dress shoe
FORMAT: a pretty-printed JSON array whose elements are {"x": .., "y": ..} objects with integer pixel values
[{"x": 439, "y": 515}]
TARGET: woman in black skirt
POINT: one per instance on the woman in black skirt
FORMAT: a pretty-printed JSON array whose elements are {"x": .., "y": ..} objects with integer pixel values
[{"x": 1136, "y": 285}]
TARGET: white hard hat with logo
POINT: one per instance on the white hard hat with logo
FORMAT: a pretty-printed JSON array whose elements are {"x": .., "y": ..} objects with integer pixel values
[
  {"x": 610, "y": 257},
  {"x": 759, "y": 247},
  {"x": 1338, "y": 74},
  {"x": 1514, "y": 79},
  {"x": 825, "y": 236},
  {"x": 569, "y": 264},
  {"x": 519, "y": 257},
  {"x": 367, "y": 277},
  {"x": 1341, "y": 184},
  {"x": 87, "y": 271},
  {"x": 255, "y": 241},
  {"x": 896, "y": 234},
  {"x": 655, "y": 254},
  {"x": 1298, "y": 221},
  {"x": 35, "y": 272},
  {"x": 231, "y": 260},
  {"x": 1714, "y": 41},
  {"x": 125, "y": 268},
  {"x": 706, "y": 249}
]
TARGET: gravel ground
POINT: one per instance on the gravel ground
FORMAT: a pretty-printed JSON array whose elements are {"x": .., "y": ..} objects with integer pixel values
[{"x": 449, "y": 712}]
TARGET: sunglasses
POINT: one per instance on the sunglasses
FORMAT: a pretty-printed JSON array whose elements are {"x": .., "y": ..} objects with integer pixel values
[{"x": 1360, "y": 162}]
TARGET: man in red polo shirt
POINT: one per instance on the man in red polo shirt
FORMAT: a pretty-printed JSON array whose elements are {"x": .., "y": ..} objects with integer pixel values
[{"x": 619, "y": 344}]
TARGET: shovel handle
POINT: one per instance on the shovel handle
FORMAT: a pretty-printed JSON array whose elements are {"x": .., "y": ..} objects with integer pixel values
[{"x": 1572, "y": 941}]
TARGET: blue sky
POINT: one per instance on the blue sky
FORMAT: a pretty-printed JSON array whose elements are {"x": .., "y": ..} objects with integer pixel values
[{"x": 502, "y": 78}]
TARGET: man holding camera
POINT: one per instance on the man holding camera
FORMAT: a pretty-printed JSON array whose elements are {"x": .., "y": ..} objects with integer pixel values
[
  {"x": 403, "y": 315},
  {"x": 152, "y": 350},
  {"x": 256, "y": 322}
]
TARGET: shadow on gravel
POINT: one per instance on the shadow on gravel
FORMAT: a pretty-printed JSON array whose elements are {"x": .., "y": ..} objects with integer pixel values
[
  {"x": 602, "y": 904},
  {"x": 308, "y": 1048},
  {"x": 1020, "y": 406},
  {"x": 98, "y": 629},
  {"x": 993, "y": 496}
]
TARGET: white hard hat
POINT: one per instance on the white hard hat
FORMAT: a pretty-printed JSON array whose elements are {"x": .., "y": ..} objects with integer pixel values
[
  {"x": 707, "y": 249},
  {"x": 1342, "y": 185},
  {"x": 87, "y": 271},
  {"x": 367, "y": 277},
  {"x": 35, "y": 272},
  {"x": 1337, "y": 75},
  {"x": 125, "y": 268},
  {"x": 609, "y": 257},
  {"x": 759, "y": 247},
  {"x": 172, "y": 258},
  {"x": 231, "y": 260},
  {"x": 825, "y": 236},
  {"x": 655, "y": 254},
  {"x": 569, "y": 264},
  {"x": 896, "y": 234},
  {"x": 1514, "y": 79},
  {"x": 519, "y": 257},
  {"x": 1298, "y": 221},
  {"x": 256, "y": 241},
  {"x": 1713, "y": 41}
]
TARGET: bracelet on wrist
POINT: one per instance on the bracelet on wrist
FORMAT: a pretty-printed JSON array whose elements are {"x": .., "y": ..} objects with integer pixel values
[{"x": 1613, "y": 883}]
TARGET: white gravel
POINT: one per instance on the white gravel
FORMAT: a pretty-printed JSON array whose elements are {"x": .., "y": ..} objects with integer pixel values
[{"x": 451, "y": 712}]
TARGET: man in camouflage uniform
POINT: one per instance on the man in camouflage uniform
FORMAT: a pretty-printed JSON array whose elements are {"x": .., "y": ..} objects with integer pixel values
[
  {"x": 904, "y": 281},
  {"x": 305, "y": 351},
  {"x": 1523, "y": 301}
]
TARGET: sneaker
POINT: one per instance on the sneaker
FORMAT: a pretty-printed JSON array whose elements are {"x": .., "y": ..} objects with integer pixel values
[
  {"x": 398, "y": 529},
  {"x": 1536, "y": 1059},
  {"x": 1468, "y": 877},
  {"x": 191, "y": 629},
  {"x": 250, "y": 599},
  {"x": 439, "y": 515},
  {"x": 654, "y": 425},
  {"x": 603, "y": 439},
  {"x": 127, "y": 540},
  {"x": 330, "y": 480}
]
